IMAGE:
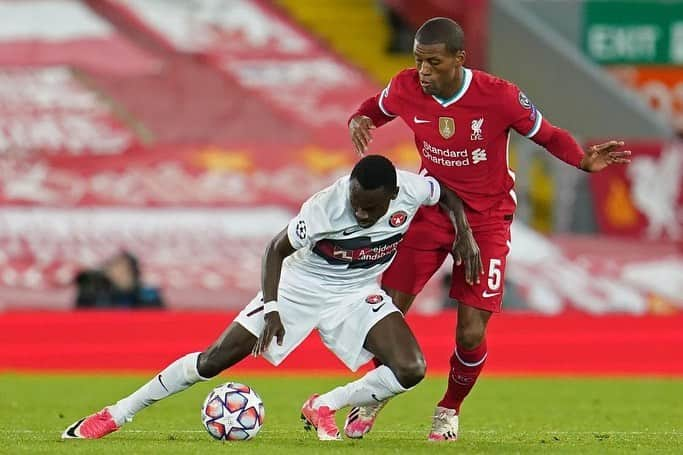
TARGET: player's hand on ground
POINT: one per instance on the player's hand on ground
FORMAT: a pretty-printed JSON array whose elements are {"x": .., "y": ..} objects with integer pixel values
[
  {"x": 273, "y": 328},
  {"x": 466, "y": 252},
  {"x": 360, "y": 128},
  {"x": 599, "y": 156}
]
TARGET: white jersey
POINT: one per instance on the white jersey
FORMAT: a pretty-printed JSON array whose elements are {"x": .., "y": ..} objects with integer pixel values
[{"x": 334, "y": 251}]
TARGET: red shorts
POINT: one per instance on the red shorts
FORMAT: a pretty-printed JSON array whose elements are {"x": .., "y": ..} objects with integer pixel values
[{"x": 425, "y": 247}]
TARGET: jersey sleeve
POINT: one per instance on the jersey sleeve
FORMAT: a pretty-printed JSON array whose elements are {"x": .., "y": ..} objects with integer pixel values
[
  {"x": 425, "y": 189},
  {"x": 522, "y": 114},
  {"x": 389, "y": 101},
  {"x": 305, "y": 229},
  {"x": 387, "y": 104},
  {"x": 381, "y": 108},
  {"x": 433, "y": 191},
  {"x": 527, "y": 120}
]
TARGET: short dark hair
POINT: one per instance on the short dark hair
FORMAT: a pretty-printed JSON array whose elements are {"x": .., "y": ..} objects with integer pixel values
[
  {"x": 375, "y": 171},
  {"x": 439, "y": 30}
]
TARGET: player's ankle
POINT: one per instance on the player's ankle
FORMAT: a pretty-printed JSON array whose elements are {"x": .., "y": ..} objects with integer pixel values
[
  {"x": 448, "y": 404},
  {"x": 119, "y": 416}
]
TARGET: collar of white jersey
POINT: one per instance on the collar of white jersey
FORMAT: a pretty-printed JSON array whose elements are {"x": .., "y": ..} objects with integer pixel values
[{"x": 467, "y": 78}]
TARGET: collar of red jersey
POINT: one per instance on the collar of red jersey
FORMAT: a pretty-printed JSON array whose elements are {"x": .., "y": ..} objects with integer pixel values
[{"x": 467, "y": 80}]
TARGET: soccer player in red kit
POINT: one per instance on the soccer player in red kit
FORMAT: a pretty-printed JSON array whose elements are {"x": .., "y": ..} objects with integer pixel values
[{"x": 462, "y": 121}]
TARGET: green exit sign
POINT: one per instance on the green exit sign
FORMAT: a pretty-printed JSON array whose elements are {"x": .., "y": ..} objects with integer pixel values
[{"x": 634, "y": 32}]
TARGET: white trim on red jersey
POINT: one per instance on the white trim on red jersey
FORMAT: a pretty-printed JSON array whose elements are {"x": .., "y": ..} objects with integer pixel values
[
  {"x": 385, "y": 93},
  {"x": 537, "y": 125},
  {"x": 512, "y": 193}
]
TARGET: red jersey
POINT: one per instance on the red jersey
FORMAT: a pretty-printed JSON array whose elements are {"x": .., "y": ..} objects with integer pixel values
[{"x": 463, "y": 141}]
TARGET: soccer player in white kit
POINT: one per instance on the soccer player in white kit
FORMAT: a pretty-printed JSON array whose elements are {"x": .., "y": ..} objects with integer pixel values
[{"x": 320, "y": 272}]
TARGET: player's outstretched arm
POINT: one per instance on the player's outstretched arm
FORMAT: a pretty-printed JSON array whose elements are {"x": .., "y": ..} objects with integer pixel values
[
  {"x": 271, "y": 268},
  {"x": 561, "y": 144},
  {"x": 465, "y": 249},
  {"x": 599, "y": 156}
]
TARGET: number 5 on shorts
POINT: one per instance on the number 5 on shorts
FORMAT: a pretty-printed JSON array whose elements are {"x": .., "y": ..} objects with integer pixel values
[{"x": 494, "y": 274}]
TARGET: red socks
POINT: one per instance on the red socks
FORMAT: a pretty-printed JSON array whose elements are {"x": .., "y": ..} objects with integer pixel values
[{"x": 465, "y": 369}]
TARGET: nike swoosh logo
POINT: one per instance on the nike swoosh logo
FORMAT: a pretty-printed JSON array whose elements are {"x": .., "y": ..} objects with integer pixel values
[
  {"x": 71, "y": 431},
  {"x": 161, "y": 382},
  {"x": 351, "y": 230},
  {"x": 375, "y": 310},
  {"x": 418, "y": 120},
  {"x": 487, "y": 294},
  {"x": 374, "y": 397}
]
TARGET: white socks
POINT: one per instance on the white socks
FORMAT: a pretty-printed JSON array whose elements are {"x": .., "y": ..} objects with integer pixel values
[
  {"x": 375, "y": 387},
  {"x": 177, "y": 377}
]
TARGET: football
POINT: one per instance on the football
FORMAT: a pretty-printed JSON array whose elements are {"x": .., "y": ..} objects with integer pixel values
[{"x": 233, "y": 412}]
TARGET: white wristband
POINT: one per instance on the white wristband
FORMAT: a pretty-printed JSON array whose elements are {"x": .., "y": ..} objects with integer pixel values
[{"x": 270, "y": 306}]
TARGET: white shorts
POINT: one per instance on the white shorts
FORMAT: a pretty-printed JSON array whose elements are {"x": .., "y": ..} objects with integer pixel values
[{"x": 343, "y": 320}]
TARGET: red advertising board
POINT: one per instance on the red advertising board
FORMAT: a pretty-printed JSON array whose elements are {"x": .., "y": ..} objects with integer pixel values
[{"x": 645, "y": 198}]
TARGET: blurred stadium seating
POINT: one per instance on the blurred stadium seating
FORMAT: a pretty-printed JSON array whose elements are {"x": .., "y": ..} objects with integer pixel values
[
  {"x": 124, "y": 125},
  {"x": 189, "y": 132}
]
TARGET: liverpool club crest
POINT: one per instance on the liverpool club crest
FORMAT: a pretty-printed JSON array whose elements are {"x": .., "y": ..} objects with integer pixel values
[{"x": 446, "y": 127}]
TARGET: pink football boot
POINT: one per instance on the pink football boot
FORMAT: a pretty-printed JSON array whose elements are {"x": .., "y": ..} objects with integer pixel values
[
  {"x": 321, "y": 418},
  {"x": 95, "y": 426}
]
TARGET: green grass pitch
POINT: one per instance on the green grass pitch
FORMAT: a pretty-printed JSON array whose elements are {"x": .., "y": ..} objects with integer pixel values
[{"x": 503, "y": 415}]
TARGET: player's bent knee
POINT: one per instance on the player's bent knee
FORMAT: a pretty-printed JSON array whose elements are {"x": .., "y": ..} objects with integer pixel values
[{"x": 410, "y": 373}]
